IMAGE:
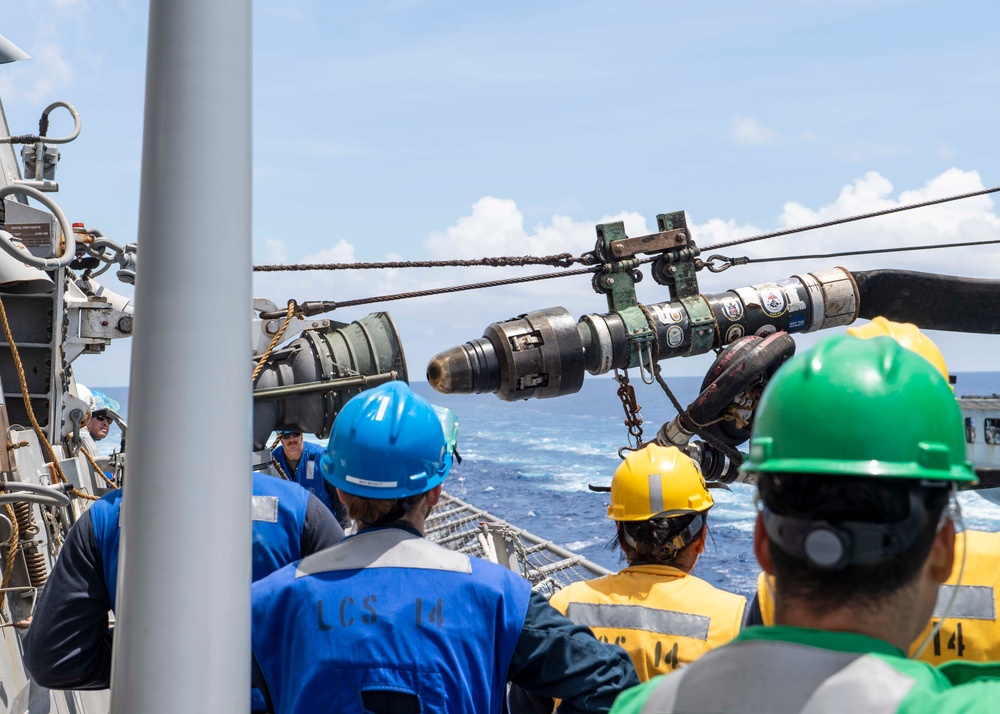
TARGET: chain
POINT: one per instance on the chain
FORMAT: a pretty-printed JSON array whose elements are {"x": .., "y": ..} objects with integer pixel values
[{"x": 633, "y": 420}]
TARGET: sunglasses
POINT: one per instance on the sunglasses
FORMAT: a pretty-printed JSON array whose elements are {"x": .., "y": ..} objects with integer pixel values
[
  {"x": 101, "y": 416},
  {"x": 291, "y": 434}
]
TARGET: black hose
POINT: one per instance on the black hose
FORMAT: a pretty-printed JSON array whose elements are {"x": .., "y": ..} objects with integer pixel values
[{"x": 930, "y": 301}]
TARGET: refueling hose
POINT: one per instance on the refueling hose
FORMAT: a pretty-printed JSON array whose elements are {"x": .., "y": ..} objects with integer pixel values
[{"x": 930, "y": 301}]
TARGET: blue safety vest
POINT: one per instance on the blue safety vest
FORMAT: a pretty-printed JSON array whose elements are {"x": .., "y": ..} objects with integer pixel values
[
  {"x": 307, "y": 474},
  {"x": 388, "y": 611},
  {"x": 279, "y": 513}
]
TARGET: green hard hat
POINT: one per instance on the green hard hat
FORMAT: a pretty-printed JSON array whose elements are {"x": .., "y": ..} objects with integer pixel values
[{"x": 858, "y": 407}]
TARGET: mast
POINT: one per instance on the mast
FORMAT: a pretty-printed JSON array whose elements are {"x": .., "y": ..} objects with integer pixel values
[{"x": 182, "y": 640}]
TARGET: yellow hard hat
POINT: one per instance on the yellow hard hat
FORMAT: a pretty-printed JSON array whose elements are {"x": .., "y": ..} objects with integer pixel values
[
  {"x": 657, "y": 481},
  {"x": 906, "y": 334}
]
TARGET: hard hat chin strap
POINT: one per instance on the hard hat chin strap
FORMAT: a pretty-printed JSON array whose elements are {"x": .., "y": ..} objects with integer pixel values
[{"x": 827, "y": 545}]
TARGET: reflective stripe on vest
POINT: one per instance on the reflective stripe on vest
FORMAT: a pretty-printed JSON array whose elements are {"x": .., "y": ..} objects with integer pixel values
[
  {"x": 971, "y": 631},
  {"x": 811, "y": 680},
  {"x": 384, "y": 548},
  {"x": 972, "y": 602},
  {"x": 636, "y": 617},
  {"x": 264, "y": 509}
]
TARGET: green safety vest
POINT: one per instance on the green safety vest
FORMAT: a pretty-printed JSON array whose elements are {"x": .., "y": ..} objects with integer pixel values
[{"x": 787, "y": 670}]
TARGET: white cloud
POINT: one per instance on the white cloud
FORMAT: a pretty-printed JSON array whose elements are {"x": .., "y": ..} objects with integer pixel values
[
  {"x": 747, "y": 130},
  {"x": 972, "y": 219},
  {"x": 37, "y": 80},
  {"x": 342, "y": 252},
  {"x": 495, "y": 226}
]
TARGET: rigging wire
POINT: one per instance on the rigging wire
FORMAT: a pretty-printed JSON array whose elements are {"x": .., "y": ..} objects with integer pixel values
[
  {"x": 567, "y": 260},
  {"x": 330, "y": 305},
  {"x": 318, "y": 307},
  {"x": 727, "y": 262},
  {"x": 851, "y": 219},
  {"x": 561, "y": 260}
]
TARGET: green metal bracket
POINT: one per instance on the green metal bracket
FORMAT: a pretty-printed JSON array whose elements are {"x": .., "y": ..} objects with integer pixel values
[
  {"x": 677, "y": 271},
  {"x": 618, "y": 284},
  {"x": 702, "y": 324}
]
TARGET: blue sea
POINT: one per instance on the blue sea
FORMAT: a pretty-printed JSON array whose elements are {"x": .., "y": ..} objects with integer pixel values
[{"x": 530, "y": 462}]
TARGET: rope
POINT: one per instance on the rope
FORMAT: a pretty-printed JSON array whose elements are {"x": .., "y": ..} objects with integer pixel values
[
  {"x": 274, "y": 342},
  {"x": 97, "y": 469},
  {"x": 728, "y": 262},
  {"x": 562, "y": 260},
  {"x": 850, "y": 219},
  {"x": 56, "y": 469},
  {"x": 281, "y": 471},
  {"x": 11, "y": 555},
  {"x": 54, "y": 475}
]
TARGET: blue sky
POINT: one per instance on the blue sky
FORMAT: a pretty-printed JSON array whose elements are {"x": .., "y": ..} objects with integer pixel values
[{"x": 418, "y": 130}]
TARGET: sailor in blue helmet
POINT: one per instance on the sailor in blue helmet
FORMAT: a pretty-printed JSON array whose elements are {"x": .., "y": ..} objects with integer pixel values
[
  {"x": 68, "y": 645},
  {"x": 387, "y": 621},
  {"x": 298, "y": 460}
]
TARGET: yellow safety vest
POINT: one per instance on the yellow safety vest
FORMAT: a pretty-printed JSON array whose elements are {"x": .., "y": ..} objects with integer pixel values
[
  {"x": 764, "y": 598},
  {"x": 970, "y": 632},
  {"x": 661, "y": 616}
]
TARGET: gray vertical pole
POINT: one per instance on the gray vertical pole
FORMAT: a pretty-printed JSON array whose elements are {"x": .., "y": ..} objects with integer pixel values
[{"x": 182, "y": 642}]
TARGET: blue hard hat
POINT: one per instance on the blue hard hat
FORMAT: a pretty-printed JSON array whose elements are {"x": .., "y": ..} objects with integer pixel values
[
  {"x": 103, "y": 401},
  {"x": 389, "y": 442}
]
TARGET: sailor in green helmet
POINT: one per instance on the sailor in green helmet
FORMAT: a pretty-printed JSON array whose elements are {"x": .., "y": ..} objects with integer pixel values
[{"x": 857, "y": 449}]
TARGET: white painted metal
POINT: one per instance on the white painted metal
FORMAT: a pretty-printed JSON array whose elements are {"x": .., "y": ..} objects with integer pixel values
[{"x": 183, "y": 611}]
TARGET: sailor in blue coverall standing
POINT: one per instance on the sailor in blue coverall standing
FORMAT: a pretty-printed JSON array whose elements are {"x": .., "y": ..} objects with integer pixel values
[
  {"x": 388, "y": 621},
  {"x": 68, "y": 645},
  {"x": 299, "y": 460}
]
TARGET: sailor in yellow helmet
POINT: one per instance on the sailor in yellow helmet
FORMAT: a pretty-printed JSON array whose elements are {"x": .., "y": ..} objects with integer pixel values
[
  {"x": 971, "y": 629},
  {"x": 663, "y": 616}
]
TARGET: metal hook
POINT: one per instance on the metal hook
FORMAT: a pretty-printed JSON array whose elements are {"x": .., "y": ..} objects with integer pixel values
[{"x": 644, "y": 368}]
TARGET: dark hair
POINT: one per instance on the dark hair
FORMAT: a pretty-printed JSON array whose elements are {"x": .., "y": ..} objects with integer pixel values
[
  {"x": 652, "y": 540},
  {"x": 379, "y": 511},
  {"x": 835, "y": 499}
]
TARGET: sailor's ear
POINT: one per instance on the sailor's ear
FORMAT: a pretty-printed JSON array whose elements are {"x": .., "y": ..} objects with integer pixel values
[
  {"x": 762, "y": 546},
  {"x": 941, "y": 559},
  {"x": 433, "y": 496},
  {"x": 699, "y": 542}
]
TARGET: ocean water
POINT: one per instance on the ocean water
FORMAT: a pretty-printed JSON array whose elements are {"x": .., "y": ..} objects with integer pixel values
[{"x": 530, "y": 463}]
